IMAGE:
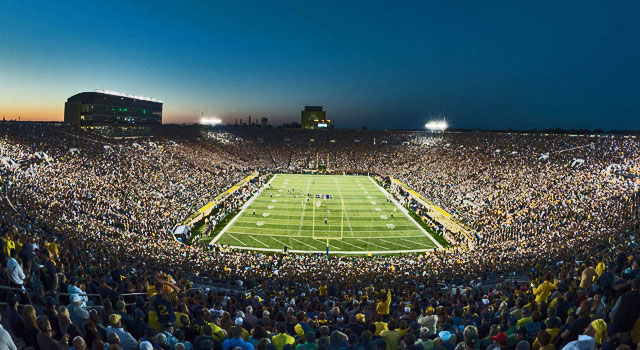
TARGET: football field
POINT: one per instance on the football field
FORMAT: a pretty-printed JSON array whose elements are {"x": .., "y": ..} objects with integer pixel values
[{"x": 307, "y": 213}]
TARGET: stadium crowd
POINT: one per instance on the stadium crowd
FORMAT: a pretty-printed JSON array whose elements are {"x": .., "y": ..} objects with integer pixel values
[{"x": 99, "y": 220}]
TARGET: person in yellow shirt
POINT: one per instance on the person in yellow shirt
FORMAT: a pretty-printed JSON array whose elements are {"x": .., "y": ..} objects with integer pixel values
[
  {"x": 282, "y": 338},
  {"x": 544, "y": 341},
  {"x": 543, "y": 291},
  {"x": 323, "y": 290},
  {"x": 7, "y": 244},
  {"x": 181, "y": 310},
  {"x": 53, "y": 248},
  {"x": 380, "y": 325},
  {"x": 383, "y": 305}
]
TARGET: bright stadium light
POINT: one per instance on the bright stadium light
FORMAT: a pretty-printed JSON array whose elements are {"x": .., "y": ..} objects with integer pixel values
[
  {"x": 437, "y": 125},
  {"x": 210, "y": 121}
]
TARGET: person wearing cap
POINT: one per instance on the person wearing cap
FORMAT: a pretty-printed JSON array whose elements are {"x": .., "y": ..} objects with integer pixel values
[
  {"x": 239, "y": 322},
  {"x": 357, "y": 324},
  {"x": 444, "y": 340},
  {"x": 77, "y": 313},
  {"x": 146, "y": 345},
  {"x": 236, "y": 340},
  {"x": 74, "y": 288},
  {"x": 500, "y": 339},
  {"x": 127, "y": 341}
]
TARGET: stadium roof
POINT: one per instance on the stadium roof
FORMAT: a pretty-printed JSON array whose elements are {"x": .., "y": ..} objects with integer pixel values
[{"x": 115, "y": 93}]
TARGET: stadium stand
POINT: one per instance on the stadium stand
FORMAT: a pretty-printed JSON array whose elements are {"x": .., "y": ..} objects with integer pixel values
[{"x": 90, "y": 261}]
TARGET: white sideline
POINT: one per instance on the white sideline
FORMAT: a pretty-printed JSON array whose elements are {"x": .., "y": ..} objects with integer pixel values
[
  {"x": 245, "y": 206},
  {"x": 406, "y": 212},
  {"x": 362, "y": 252}
]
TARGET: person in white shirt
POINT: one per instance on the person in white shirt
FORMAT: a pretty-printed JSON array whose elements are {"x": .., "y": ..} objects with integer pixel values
[
  {"x": 14, "y": 270},
  {"x": 592, "y": 336},
  {"x": 6, "y": 343},
  {"x": 74, "y": 288}
]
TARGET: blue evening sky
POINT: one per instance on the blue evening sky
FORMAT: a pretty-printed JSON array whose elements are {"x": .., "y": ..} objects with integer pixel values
[{"x": 383, "y": 64}]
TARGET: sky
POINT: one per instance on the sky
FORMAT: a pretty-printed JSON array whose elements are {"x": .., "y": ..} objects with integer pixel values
[{"x": 380, "y": 64}]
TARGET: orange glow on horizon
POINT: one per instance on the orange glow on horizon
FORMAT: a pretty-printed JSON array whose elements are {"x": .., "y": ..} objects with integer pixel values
[{"x": 32, "y": 114}]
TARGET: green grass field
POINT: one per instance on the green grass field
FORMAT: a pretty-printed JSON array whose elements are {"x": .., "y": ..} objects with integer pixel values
[{"x": 359, "y": 218}]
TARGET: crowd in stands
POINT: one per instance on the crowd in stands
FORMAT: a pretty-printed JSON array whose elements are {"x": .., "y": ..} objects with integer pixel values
[{"x": 99, "y": 222}]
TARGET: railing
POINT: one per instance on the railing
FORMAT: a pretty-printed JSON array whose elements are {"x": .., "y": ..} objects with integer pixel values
[
  {"x": 88, "y": 295},
  {"x": 134, "y": 295},
  {"x": 18, "y": 291}
]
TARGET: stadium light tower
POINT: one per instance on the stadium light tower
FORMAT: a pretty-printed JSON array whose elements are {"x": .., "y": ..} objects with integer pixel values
[{"x": 437, "y": 125}]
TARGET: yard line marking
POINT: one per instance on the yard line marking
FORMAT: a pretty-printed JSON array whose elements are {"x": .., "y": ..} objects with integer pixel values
[
  {"x": 345, "y": 208},
  {"x": 244, "y": 207},
  {"x": 406, "y": 212},
  {"x": 301, "y": 242},
  {"x": 394, "y": 243},
  {"x": 230, "y": 235},
  {"x": 412, "y": 242},
  {"x": 259, "y": 241},
  {"x": 379, "y": 246},
  {"x": 277, "y": 240},
  {"x": 304, "y": 207},
  {"x": 353, "y": 245}
]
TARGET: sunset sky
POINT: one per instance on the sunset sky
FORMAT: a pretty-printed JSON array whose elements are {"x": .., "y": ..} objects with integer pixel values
[{"x": 384, "y": 64}]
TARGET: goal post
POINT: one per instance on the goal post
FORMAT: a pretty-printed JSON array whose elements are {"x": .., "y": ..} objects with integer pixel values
[{"x": 329, "y": 236}]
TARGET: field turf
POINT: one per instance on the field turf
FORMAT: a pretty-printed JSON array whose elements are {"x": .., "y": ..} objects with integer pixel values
[{"x": 291, "y": 211}]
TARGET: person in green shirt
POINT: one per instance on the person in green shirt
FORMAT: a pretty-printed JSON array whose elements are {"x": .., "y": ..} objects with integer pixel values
[
  {"x": 391, "y": 338},
  {"x": 526, "y": 317},
  {"x": 310, "y": 341}
]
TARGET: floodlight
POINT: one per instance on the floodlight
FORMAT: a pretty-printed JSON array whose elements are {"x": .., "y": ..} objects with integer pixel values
[
  {"x": 437, "y": 125},
  {"x": 210, "y": 121}
]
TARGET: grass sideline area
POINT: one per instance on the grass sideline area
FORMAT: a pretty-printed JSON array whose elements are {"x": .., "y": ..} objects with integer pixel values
[{"x": 360, "y": 218}]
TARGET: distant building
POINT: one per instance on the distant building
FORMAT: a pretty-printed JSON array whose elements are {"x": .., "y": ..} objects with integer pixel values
[
  {"x": 292, "y": 125},
  {"x": 313, "y": 117},
  {"x": 264, "y": 121},
  {"x": 106, "y": 108}
]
